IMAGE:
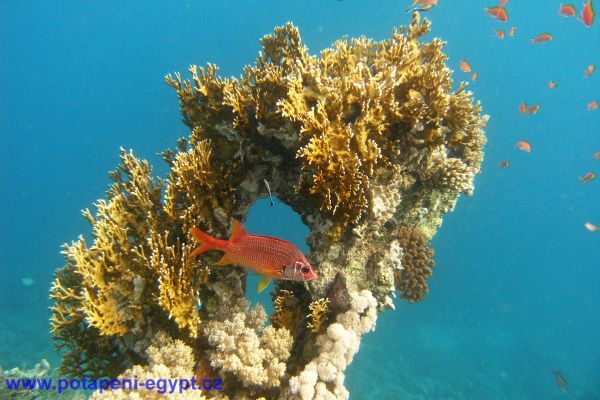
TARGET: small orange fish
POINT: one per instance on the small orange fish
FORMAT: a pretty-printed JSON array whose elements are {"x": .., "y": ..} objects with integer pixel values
[
  {"x": 551, "y": 84},
  {"x": 590, "y": 176},
  {"x": 591, "y": 227},
  {"x": 523, "y": 109},
  {"x": 474, "y": 76},
  {"x": 465, "y": 66},
  {"x": 587, "y": 14},
  {"x": 504, "y": 164},
  {"x": 567, "y": 10},
  {"x": 512, "y": 31},
  {"x": 269, "y": 256},
  {"x": 498, "y": 13},
  {"x": 542, "y": 38},
  {"x": 560, "y": 381},
  {"x": 589, "y": 70},
  {"x": 592, "y": 105},
  {"x": 500, "y": 34},
  {"x": 596, "y": 155},
  {"x": 422, "y": 5},
  {"x": 524, "y": 145}
]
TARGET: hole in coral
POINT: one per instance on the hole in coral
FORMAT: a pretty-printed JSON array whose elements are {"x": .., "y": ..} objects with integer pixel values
[{"x": 278, "y": 221}]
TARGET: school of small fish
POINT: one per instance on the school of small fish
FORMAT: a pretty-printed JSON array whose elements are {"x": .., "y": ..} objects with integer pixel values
[{"x": 500, "y": 13}]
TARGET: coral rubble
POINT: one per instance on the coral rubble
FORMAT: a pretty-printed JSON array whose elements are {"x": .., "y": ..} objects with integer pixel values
[{"x": 368, "y": 142}]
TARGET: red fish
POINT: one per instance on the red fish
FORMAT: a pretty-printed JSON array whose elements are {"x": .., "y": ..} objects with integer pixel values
[
  {"x": 567, "y": 10},
  {"x": 465, "y": 66},
  {"x": 551, "y": 85},
  {"x": 512, "y": 31},
  {"x": 587, "y": 14},
  {"x": 592, "y": 105},
  {"x": 504, "y": 164},
  {"x": 589, "y": 70},
  {"x": 524, "y": 145},
  {"x": 542, "y": 38},
  {"x": 591, "y": 227},
  {"x": 500, "y": 34},
  {"x": 596, "y": 155},
  {"x": 269, "y": 256},
  {"x": 474, "y": 76},
  {"x": 523, "y": 109},
  {"x": 590, "y": 176},
  {"x": 498, "y": 13},
  {"x": 422, "y": 5}
]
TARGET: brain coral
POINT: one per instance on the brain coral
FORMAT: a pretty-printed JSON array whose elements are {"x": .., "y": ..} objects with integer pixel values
[{"x": 360, "y": 140}]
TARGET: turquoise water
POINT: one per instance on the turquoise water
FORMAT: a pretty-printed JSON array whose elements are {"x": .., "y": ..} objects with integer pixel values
[{"x": 516, "y": 290}]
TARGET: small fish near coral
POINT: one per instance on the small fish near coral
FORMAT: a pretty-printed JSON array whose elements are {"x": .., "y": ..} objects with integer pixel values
[
  {"x": 560, "y": 380},
  {"x": 272, "y": 257},
  {"x": 422, "y": 5}
]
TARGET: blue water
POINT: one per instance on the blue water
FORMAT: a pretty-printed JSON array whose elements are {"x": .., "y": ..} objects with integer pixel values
[{"x": 516, "y": 290}]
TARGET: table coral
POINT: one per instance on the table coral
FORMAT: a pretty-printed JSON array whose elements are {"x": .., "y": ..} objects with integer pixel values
[{"x": 367, "y": 141}]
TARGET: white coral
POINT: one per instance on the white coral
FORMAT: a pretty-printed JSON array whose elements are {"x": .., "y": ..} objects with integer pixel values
[
  {"x": 323, "y": 377},
  {"x": 239, "y": 348}
]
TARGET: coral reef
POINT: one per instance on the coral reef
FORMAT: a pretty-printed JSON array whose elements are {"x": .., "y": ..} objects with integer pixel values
[
  {"x": 362, "y": 140},
  {"x": 417, "y": 261},
  {"x": 318, "y": 314},
  {"x": 167, "y": 359}
]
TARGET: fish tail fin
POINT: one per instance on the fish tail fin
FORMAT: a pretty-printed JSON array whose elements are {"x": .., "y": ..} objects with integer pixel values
[{"x": 206, "y": 241}]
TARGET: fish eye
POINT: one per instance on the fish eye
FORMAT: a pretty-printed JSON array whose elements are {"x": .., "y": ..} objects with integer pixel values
[{"x": 305, "y": 270}]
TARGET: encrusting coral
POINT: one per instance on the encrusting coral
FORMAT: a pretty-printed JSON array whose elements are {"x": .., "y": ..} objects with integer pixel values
[{"x": 368, "y": 142}]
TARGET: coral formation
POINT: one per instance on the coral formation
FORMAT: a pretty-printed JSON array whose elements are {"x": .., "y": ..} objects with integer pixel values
[
  {"x": 246, "y": 352},
  {"x": 362, "y": 141},
  {"x": 318, "y": 314},
  {"x": 167, "y": 359},
  {"x": 417, "y": 261}
]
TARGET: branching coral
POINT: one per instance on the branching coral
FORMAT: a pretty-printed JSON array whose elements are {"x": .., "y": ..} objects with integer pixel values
[
  {"x": 168, "y": 359},
  {"x": 363, "y": 140},
  {"x": 318, "y": 314},
  {"x": 245, "y": 351},
  {"x": 286, "y": 313},
  {"x": 417, "y": 261}
]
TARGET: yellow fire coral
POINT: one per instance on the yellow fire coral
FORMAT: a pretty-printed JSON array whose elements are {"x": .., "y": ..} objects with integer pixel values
[{"x": 318, "y": 314}]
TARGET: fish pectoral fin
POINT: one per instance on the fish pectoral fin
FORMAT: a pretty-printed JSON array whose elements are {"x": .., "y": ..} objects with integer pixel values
[
  {"x": 264, "y": 282},
  {"x": 224, "y": 260}
]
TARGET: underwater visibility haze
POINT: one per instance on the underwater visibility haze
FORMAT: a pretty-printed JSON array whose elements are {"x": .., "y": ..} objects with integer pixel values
[{"x": 415, "y": 180}]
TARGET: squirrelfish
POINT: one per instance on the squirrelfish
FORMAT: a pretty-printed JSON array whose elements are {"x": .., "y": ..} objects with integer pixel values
[
  {"x": 592, "y": 105},
  {"x": 587, "y": 14},
  {"x": 596, "y": 155},
  {"x": 551, "y": 84},
  {"x": 512, "y": 31},
  {"x": 272, "y": 257}
]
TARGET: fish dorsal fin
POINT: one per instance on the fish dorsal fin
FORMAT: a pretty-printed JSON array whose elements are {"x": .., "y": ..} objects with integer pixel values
[
  {"x": 237, "y": 231},
  {"x": 264, "y": 282}
]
